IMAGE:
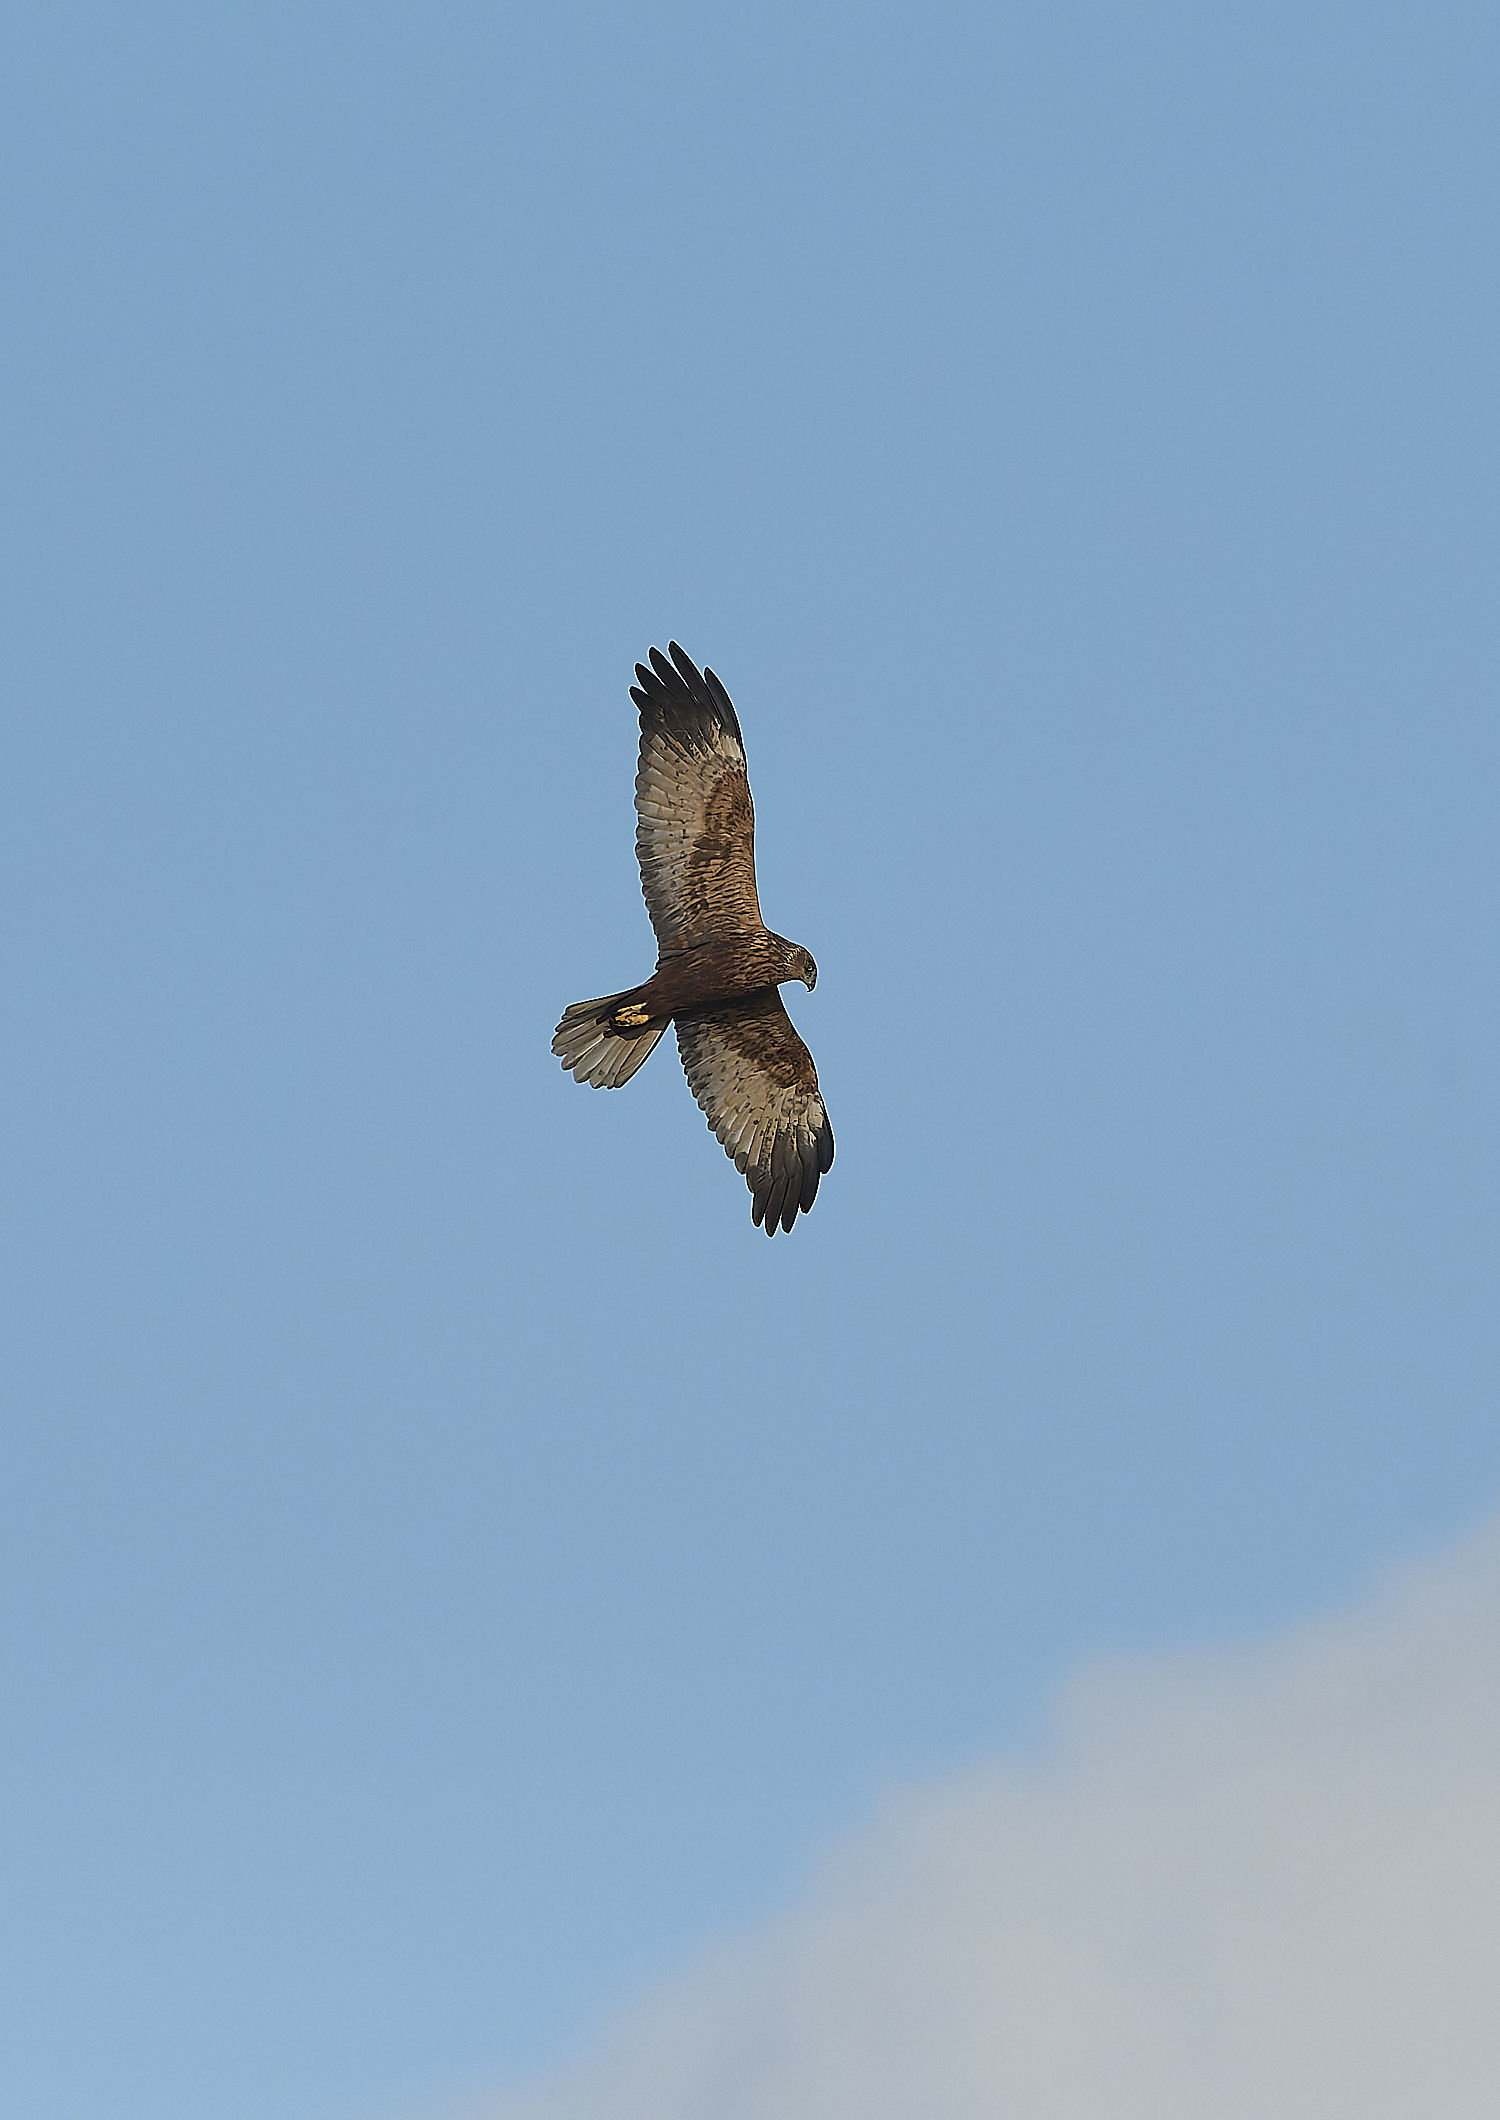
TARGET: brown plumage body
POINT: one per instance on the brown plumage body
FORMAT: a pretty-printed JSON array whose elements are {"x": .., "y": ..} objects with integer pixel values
[
  {"x": 715, "y": 971},
  {"x": 719, "y": 965}
]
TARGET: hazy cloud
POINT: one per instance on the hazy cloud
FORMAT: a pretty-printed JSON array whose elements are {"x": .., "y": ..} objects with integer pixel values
[{"x": 1236, "y": 1884}]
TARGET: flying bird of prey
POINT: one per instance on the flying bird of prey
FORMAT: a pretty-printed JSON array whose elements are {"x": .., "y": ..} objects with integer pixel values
[{"x": 718, "y": 965}]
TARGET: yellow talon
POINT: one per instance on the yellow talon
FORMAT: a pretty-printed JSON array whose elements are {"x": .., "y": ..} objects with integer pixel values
[{"x": 633, "y": 1017}]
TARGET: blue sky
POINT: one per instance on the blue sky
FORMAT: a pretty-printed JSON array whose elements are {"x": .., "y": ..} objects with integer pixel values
[{"x": 454, "y": 1566}]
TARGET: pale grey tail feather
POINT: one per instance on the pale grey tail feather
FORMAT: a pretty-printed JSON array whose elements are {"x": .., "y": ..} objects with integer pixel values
[{"x": 597, "y": 1055}]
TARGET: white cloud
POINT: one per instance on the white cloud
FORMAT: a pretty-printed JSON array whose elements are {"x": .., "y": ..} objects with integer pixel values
[{"x": 1240, "y": 1884}]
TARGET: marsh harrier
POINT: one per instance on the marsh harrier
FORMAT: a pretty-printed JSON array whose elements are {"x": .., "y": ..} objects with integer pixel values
[{"x": 718, "y": 965}]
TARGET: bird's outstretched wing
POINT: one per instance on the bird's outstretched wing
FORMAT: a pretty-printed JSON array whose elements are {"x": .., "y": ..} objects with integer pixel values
[
  {"x": 695, "y": 838},
  {"x": 756, "y": 1081}
]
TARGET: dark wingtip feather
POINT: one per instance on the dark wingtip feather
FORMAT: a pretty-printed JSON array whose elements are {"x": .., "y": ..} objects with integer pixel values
[
  {"x": 724, "y": 704},
  {"x": 789, "y": 1188},
  {"x": 687, "y": 669},
  {"x": 689, "y": 700},
  {"x": 810, "y": 1177}
]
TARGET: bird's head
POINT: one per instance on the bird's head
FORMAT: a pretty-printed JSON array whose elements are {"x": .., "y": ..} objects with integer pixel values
[{"x": 800, "y": 965}]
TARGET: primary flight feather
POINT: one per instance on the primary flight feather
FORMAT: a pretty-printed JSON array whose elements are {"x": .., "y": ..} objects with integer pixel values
[{"x": 718, "y": 965}]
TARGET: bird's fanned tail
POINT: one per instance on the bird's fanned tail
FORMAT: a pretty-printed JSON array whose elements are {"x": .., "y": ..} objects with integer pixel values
[{"x": 594, "y": 1052}]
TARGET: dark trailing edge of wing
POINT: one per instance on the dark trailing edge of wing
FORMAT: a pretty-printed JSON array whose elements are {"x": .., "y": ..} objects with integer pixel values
[{"x": 688, "y": 703}]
